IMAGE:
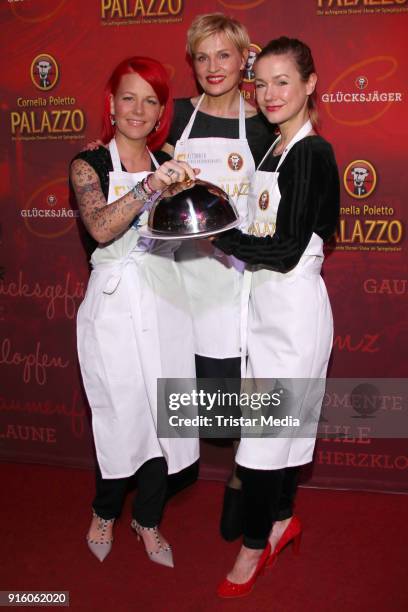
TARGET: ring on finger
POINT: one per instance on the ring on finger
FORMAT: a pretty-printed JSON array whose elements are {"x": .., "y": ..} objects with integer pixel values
[{"x": 170, "y": 171}]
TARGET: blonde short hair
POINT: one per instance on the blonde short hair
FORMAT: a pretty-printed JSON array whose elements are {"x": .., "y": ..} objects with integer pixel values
[{"x": 215, "y": 23}]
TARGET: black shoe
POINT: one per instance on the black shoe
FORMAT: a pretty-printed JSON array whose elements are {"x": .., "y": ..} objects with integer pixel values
[{"x": 232, "y": 514}]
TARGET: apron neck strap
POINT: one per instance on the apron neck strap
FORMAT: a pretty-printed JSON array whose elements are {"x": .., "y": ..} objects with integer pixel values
[
  {"x": 242, "y": 128},
  {"x": 268, "y": 151},
  {"x": 154, "y": 160},
  {"x": 116, "y": 163},
  {"x": 186, "y": 133},
  {"x": 114, "y": 153},
  {"x": 304, "y": 130}
]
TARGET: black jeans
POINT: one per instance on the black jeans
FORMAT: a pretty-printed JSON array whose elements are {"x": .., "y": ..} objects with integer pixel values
[
  {"x": 268, "y": 496},
  {"x": 148, "y": 504}
]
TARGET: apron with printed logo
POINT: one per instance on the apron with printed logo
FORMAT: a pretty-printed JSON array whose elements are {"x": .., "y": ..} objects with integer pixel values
[
  {"x": 133, "y": 328},
  {"x": 214, "y": 280},
  {"x": 287, "y": 329}
]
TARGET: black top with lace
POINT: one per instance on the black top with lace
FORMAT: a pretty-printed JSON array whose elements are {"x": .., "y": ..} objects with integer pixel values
[{"x": 100, "y": 160}]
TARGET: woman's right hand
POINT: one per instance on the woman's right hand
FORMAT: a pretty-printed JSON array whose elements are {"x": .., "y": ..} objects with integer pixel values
[
  {"x": 171, "y": 172},
  {"x": 93, "y": 145}
]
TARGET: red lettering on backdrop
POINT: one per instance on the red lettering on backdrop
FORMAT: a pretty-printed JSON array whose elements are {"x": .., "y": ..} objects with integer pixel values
[
  {"x": 29, "y": 433},
  {"x": 363, "y": 460},
  {"x": 73, "y": 411},
  {"x": 68, "y": 293},
  {"x": 366, "y": 344},
  {"x": 34, "y": 365}
]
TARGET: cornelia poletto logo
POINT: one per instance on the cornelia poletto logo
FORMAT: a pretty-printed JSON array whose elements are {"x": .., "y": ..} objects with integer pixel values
[
  {"x": 235, "y": 161},
  {"x": 361, "y": 82},
  {"x": 263, "y": 200},
  {"x": 44, "y": 72},
  {"x": 360, "y": 179},
  {"x": 249, "y": 74}
]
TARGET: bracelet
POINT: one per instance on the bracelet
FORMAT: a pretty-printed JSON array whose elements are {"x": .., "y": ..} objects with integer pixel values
[
  {"x": 139, "y": 193},
  {"x": 146, "y": 184}
]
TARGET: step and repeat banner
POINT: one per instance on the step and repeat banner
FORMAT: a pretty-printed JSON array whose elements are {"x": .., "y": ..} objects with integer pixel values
[{"x": 56, "y": 56}]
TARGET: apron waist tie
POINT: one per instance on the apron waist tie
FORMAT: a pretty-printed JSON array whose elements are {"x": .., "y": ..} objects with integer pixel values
[{"x": 113, "y": 281}]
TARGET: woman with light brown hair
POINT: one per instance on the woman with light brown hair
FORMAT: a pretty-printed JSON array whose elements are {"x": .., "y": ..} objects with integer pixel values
[{"x": 293, "y": 208}]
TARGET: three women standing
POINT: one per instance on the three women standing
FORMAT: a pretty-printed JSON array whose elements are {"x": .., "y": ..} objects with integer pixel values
[{"x": 293, "y": 208}]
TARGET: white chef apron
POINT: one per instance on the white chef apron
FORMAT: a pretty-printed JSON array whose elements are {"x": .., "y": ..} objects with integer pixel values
[
  {"x": 214, "y": 280},
  {"x": 287, "y": 328},
  {"x": 133, "y": 327}
]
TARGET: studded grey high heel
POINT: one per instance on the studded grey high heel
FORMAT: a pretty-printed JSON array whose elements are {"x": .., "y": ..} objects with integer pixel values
[
  {"x": 102, "y": 547},
  {"x": 163, "y": 555}
]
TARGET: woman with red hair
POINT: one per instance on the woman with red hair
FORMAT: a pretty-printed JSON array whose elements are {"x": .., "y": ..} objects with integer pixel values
[{"x": 134, "y": 311}]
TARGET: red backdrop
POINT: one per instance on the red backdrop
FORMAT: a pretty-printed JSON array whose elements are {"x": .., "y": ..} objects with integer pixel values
[{"x": 360, "y": 48}]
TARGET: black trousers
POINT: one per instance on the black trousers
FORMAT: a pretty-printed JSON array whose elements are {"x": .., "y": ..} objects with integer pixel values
[
  {"x": 268, "y": 496},
  {"x": 148, "y": 503},
  {"x": 179, "y": 481},
  {"x": 209, "y": 367},
  {"x": 224, "y": 376}
]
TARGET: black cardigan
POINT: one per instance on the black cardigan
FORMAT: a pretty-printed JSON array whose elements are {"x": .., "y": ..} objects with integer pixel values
[{"x": 310, "y": 202}]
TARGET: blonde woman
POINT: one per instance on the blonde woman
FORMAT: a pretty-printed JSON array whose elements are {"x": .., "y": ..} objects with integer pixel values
[{"x": 224, "y": 136}]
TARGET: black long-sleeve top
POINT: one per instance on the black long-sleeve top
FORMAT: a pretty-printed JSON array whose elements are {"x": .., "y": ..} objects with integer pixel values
[{"x": 310, "y": 203}]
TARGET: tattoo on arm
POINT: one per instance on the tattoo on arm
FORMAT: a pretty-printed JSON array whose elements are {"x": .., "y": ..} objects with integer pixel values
[
  {"x": 87, "y": 188},
  {"x": 103, "y": 221}
]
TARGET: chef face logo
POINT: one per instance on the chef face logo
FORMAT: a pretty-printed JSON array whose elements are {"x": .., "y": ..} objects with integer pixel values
[
  {"x": 263, "y": 201},
  {"x": 249, "y": 74},
  {"x": 52, "y": 199},
  {"x": 360, "y": 179},
  {"x": 361, "y": 82},
  {"x": 44, "y": 72},
  {"x": 235, "y": 162}
]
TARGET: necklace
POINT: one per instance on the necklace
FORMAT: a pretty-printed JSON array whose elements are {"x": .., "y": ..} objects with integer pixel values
[{"x": 279, "y": 149}]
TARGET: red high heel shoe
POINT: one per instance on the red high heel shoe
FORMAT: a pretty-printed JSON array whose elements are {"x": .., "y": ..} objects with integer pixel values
[
  {"x": 292, "y": 533},
  {"x": 231, "y": 589}
]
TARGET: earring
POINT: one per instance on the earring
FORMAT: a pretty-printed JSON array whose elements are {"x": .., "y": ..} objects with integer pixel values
[
  {"x": 112, "y": 119},
  {"x": 156, "y": 127}
]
